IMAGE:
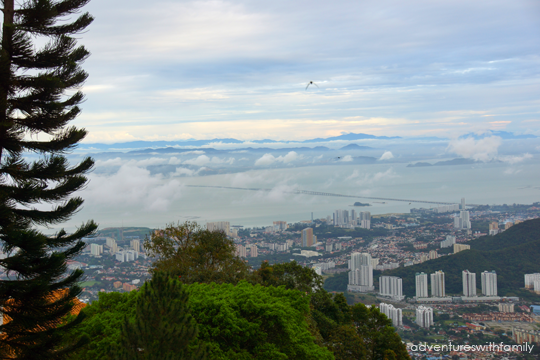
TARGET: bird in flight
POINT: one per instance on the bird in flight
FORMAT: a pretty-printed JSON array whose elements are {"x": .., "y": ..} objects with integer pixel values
[{"x": 311, "y": 83}]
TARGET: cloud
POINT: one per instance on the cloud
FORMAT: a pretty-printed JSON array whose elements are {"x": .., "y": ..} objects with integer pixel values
[
  {"x": 346, "y": 158},
  {"x": 387, "y": 155},
  {"x": 515, "y": 159},
  {"x": 269, "y": 159},
  {"x": 485, "y": 149},
  {"x": 134, "y": 187},
  {"x": 265, "y": 160},
  {"x": 203, "y": 160},
  {"x": 369, "y": 179}
]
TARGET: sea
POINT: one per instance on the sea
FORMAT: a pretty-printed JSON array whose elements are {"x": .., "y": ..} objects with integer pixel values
[{"x": 163, "y": 201}]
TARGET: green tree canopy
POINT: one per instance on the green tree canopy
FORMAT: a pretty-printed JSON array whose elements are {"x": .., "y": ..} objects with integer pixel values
[
  {"x": 163, "y": 327},
  {"x": 195, "y": 255}
]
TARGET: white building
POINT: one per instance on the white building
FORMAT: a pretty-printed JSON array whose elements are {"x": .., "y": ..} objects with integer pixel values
[
  {"x": 392, "y": 313},
  {"x": 329, "y": 247},
  {"x": 391, "y": 286},
  {"x": 530, "y": 279},
  {"x": 337, "y": 246},
  {"x": 438, "y": 288},
  {"x": 489, "y": 283},
  {"x": 361, "y": 274},
  {"x": 96, "y": 249},
  {"x": 469, "y": 283},
  {"x": 424, "y": 316},
  {"x": 421, "y": 285},
  {"x": 450, "y": 241}
]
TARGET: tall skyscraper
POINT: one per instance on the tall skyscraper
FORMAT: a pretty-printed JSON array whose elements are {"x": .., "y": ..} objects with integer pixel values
[
  {"x": 361, "y": 274},
  {"x": 391, "y": 286},
  {"x": 421, "y": 285},
  {"x": 364, "y": 219},
  {"x": 489, "y": 283},
  {"x": 424, "y": 316},
  {"x": 463, "y": 221},
  {"x": 469, "y": 283},
  {"x": 307, "y": 237},
  {"x": 392, "y": 313},
  {"x": 438, "y": 284}
]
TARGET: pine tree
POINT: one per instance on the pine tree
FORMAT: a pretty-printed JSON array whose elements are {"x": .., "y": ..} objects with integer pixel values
[
  {"x": 38, "y": 96},
  {"x": 163, "y": 328}
]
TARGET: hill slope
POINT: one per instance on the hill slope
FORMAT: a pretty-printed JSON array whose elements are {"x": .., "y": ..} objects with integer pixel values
[{"x": 512, "y": 254}]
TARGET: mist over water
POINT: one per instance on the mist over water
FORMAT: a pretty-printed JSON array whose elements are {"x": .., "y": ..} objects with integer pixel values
[{"x": 167, "y": 200}]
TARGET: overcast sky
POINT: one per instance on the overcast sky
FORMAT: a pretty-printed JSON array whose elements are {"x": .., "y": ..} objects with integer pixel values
[{"x": 204, "y": 69}]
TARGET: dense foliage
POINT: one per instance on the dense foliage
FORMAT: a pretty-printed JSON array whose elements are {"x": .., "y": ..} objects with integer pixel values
[
  {"x": 163, "y": 327},
  {"x": 512, "y": 254},
  {"x": 195, "y": 255},
  {"x": 38, "y": 98}
]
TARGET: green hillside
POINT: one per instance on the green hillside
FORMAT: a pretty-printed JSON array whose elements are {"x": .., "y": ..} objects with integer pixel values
[{"x": 512, "y": 254}]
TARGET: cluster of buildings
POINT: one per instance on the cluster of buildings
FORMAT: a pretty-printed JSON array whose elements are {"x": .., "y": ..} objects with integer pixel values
[
  {"x": 462, "y": 221},
  {"x": 424, "y": 316},
  {"x": 361, "y": 274},
  {"x": 394, "y": 314},
  {"x": 532, "y": 282},
  {"x": 488, "y": 283},
  {"x": 111, "y": 247},
  {"x": 346, "y": 219}
]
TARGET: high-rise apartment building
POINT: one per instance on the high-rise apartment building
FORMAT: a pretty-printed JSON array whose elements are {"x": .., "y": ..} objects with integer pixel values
[
  {"x": 364, "y": 219},
  {"x": 391, "y": 286},
  {"x": 437, "y": 284},
  {"x": 224, "y": 226},
  {"x": 241, "y": 251},
  {"x": 463, "y": 221},
  {"x": 450, "y": 240},
  {"x": 469, "y": 283},
  {"x": 489, "y": 283},
  {"x": 424, "y": 316},
  {"x": 493, "y": 228},
  {"x": 329, "y": 246},
  {"x": 433, "y": 255},
  {"x": 253, "y": 251},
  {"x": 392, "y": 313},
  {"x": 307, "y": 237},
  {"x": 136, "y": 245},
  {"x": 361, "y": 274},
  {"x": 96, "y": 249},
  {"x": 461, "y": 247},
  {"x": 530, "y": 279},
  {"x": 421, "y": 285}
]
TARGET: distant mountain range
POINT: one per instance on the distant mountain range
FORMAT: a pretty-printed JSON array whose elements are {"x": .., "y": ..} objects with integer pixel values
[
  {"x": 457, "y": 161},
  {"x": 502, "y": 134},
  {"x": 512, "y": 254},
  {"x": 345, "y": 137}
]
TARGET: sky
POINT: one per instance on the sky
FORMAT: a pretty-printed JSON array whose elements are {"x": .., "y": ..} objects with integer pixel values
[{"x": 167, "y": 70}]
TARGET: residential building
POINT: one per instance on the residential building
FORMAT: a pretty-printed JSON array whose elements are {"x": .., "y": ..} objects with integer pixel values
[
  {"x": 530, "y": 279},
  {"x": 280, "y": 225},
  {"x": 394, "y": 314},
  {"x": 424, "y": 316},
  {"x": 506, "y": 307},
  {"x": 438, "y": 288},
  {"x": 241, "y": 251},
  {"x": 461, "y": 247},
  {"x": 489, "y": 283},
  {"x": 433, "y": 255},
  {"x": 421, "y": 285},
  {"x": 493, "y": 228},
  {"x": 450, "y": 240},
  {"x": 96, "y": 250},
  {"x": 391, "y": 286},
  {"x": 361, "y": 274},
  {"x": 307, "y": 237},
  {"x": 136, "y": 245},
  {"x": 469, "y": 283},
  {"x": 253, "y": 251}
]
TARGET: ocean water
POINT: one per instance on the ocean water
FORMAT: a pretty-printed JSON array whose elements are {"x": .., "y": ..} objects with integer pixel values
[{"x": 153, "y": 201}]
